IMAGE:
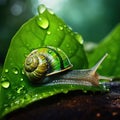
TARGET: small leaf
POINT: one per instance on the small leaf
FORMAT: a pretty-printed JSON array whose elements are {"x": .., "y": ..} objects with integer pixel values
[{"x": 110, "y": 45}]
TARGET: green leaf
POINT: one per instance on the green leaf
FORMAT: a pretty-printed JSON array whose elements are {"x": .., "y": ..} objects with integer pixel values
[
  {"x": 45, "y": 29},
  {"x": 110, "y": 45}
]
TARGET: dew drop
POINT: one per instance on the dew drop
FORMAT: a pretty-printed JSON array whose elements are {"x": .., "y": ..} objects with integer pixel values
[
  {"x": 69, "y": 29},
  {"x": 15, "y": 71},
  {"x": 21, "y": 79},
  {"x": 36, "y": 95},
  {"x": 17, "y": 102},
  {"x": 50, "y": 11},
  {"x": 19, "y": 90},
  {"x": 41, "y": 9},
  {"x": 40, "y": 97},
  {"x": 60, "y": 27},
  {"x": 49, "y": 51},
  {"x": 48, "y": 32},
  {"x": 3, "y": 78},
  {"x": 23, "y": 72},
  {"x": 5, "y": 84},
  {"x": 6, "y": 70},
  {"x": 42, "y": 22},
  {"x": 79, "y": 38}
]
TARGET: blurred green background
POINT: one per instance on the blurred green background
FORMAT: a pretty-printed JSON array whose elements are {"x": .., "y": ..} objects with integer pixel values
[{"x": 93, "y": 19}]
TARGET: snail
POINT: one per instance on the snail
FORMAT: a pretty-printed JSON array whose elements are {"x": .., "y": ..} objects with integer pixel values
[{"x": 50, "y": 65}]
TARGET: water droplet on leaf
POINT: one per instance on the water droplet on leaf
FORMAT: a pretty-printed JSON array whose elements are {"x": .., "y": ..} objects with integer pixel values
[
  {"x": 15, "y": 71},
  {"x": 42, "y": 22},
  {"x": 36, "y": 95},
  {"x": 48, "y": 32},
  {"x": 21, "y": 79},
  {"x": 79, "y": 38},
  {"x": 6, "y": 70},
  {"x": 23, "y": 72},
  {"x": 19, "y": 89},
  {"x": 5, "y": 84},
  {"x": 41, "y": 9},
  {"x": 17, "y": 102},
  {"x": 3, "y": 78},
  {"x": 69, "y": 29},
  {"x": 60, "y": 27}
]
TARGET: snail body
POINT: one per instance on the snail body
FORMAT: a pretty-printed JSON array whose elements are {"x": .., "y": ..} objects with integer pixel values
[{"x": 50, "y": 65}]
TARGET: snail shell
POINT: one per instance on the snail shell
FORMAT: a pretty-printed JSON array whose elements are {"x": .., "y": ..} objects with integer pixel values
[{"x": 44, "y": 62}]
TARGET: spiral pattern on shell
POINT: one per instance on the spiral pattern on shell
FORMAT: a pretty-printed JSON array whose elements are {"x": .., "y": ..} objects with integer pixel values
[
  {"x": 36, "y": 66},
  {"x": 44, "y": 62}
]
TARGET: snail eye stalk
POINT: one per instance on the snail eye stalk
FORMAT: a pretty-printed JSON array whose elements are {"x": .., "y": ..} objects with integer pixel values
[{"x": 94, "y": 69}]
